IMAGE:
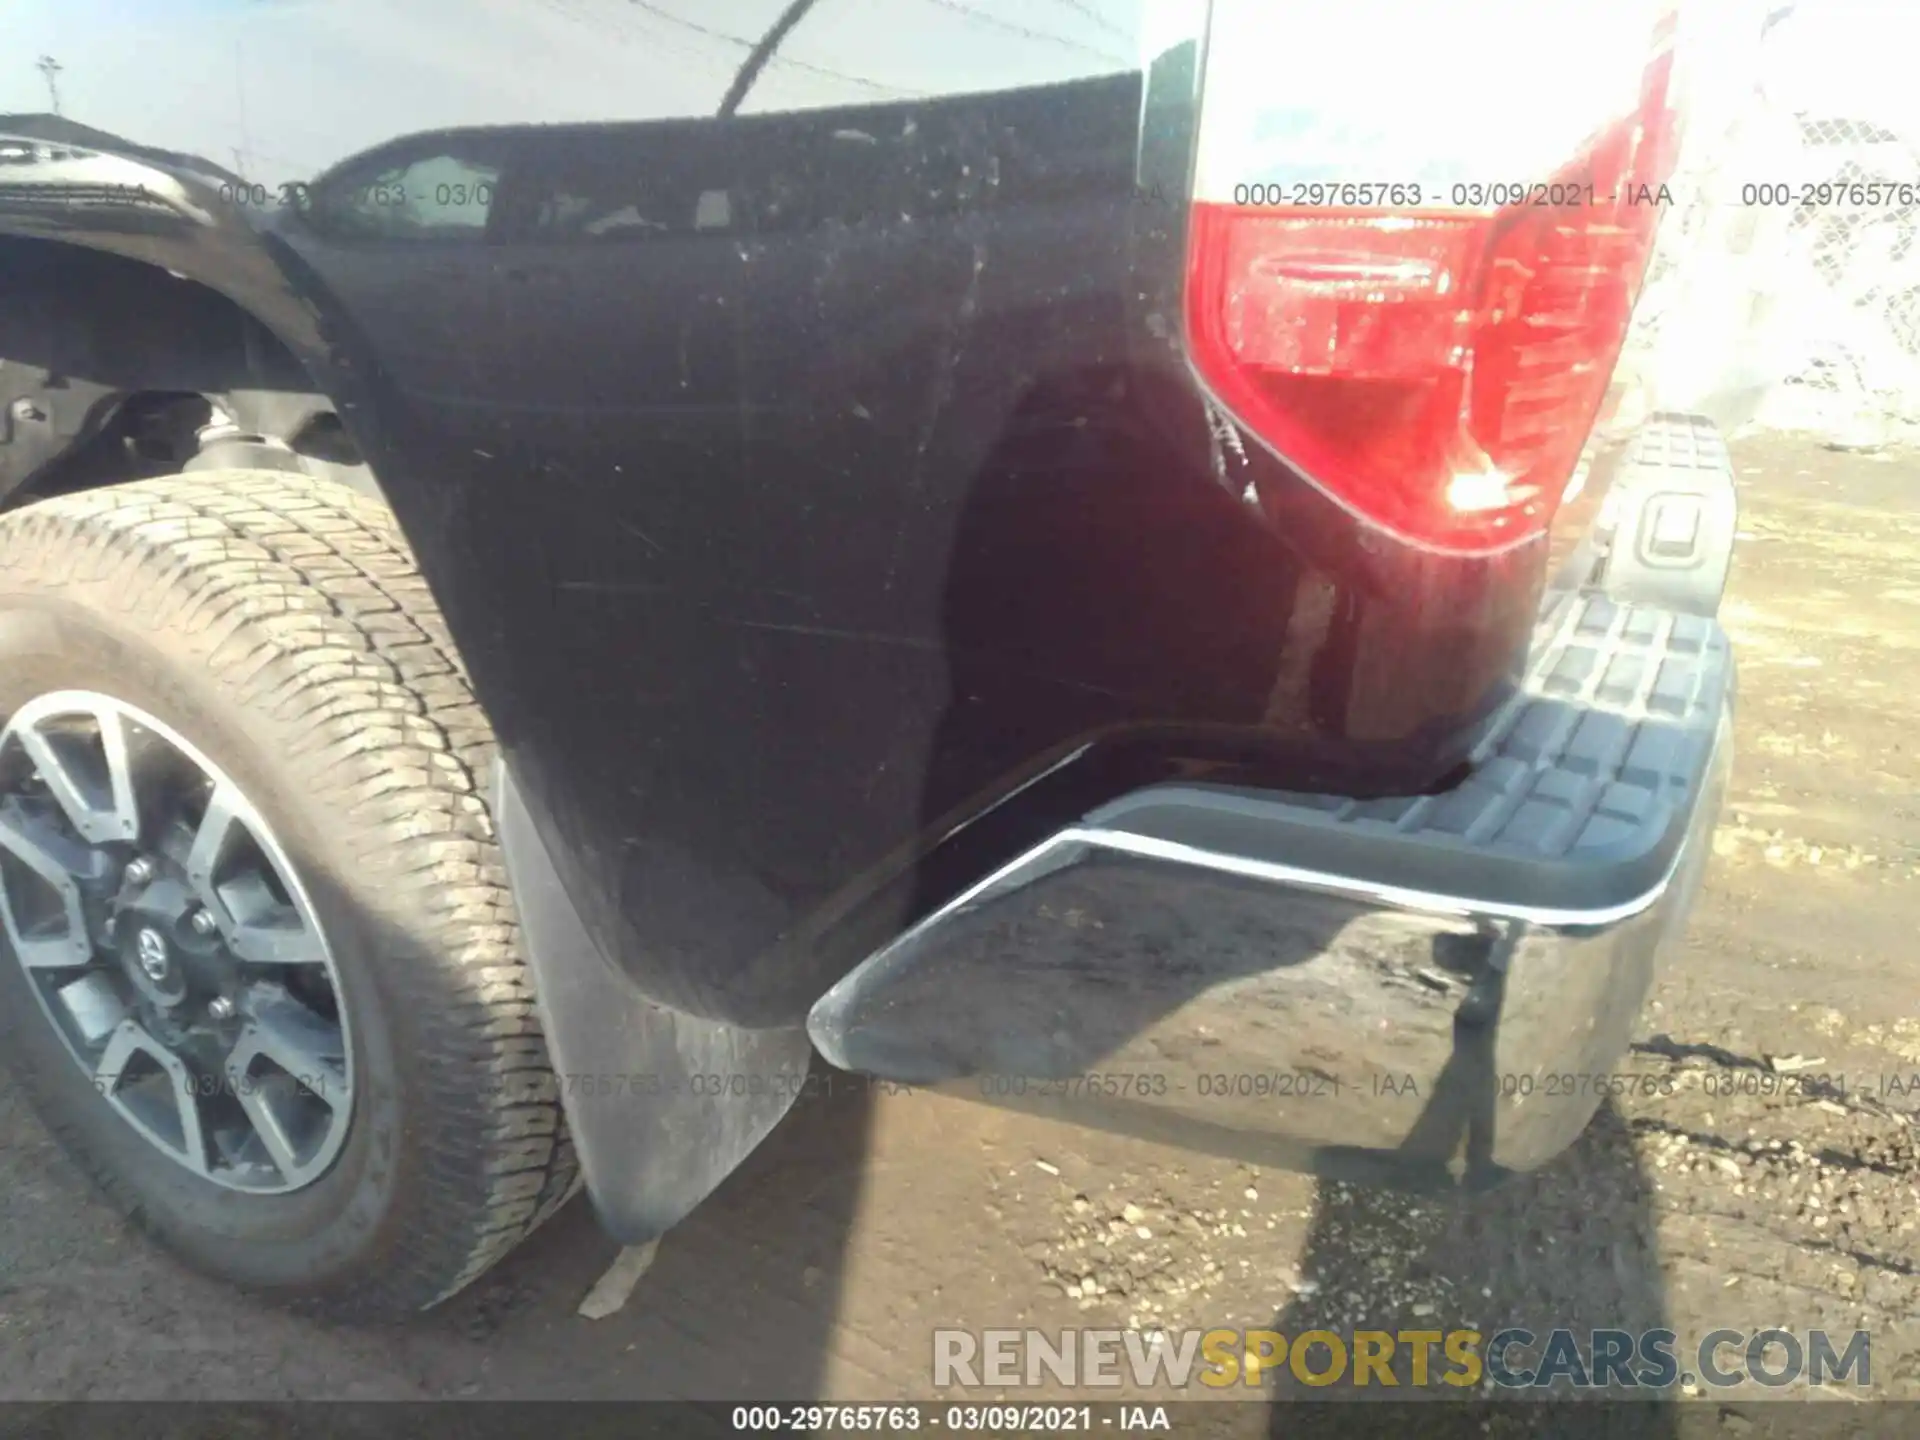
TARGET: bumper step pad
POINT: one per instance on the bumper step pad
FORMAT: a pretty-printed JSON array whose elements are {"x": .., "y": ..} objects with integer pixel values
[{"x": 1579, "y": 795}]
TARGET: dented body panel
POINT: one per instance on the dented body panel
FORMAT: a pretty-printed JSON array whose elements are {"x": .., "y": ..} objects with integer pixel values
[{"x": 788, "y": 410}]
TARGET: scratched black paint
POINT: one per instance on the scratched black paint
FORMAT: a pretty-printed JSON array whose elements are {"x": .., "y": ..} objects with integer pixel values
[{"x": 801, "y": 483}]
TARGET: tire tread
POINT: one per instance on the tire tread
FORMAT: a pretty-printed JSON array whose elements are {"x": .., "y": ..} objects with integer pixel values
[{"x": 306, "y": 604}]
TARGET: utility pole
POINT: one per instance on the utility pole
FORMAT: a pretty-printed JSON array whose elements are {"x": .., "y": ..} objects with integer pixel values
[
  {"x": 244, "y": 149},
  {"x": 50, "y": 68}
]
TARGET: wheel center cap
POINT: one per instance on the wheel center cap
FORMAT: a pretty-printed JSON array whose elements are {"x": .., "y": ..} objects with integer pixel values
[{"x": 150, "y": 947}]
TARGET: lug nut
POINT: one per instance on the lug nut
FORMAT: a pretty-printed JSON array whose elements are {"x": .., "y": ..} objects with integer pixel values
[
  {"x": 203, "y": 922},
  {"x": 220, "y": 1008},
  {"x": 139, "y": 870}
]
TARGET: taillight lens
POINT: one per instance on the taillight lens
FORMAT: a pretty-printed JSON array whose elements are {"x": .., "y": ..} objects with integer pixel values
[{"x": 1431, "y": 345}]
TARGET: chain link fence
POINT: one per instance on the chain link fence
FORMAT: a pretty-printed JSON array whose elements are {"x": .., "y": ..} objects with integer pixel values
[
  {"x": 1785, "y": 288},
  {"x": 1854, "y": 251},
  {"x": 1833, "y": 178}
]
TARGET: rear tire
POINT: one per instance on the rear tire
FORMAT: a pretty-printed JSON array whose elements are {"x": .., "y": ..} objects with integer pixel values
[{"x": 280, "y": 625}]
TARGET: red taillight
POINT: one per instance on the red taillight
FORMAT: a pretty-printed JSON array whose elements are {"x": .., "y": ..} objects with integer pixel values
[{"x": 1436, "y": 367}]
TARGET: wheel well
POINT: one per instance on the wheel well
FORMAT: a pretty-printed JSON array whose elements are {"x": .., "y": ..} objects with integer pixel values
[{"x": 112, "y": 370}]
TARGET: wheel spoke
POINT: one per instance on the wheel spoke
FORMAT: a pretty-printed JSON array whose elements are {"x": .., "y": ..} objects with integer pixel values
[
  {"x": 267, "y": 1125},
  {"x": 126, "y": 807},
  {"x": 210, "y": 842},
  {"x": 129, "y": 1039},
  {"x": 54, "y": 860},
  {"x": 58, "y": 779},
  {"x": 260, "y": 927},
  {"x": 277, "y": 944},
  {"x": 304, "y": 1057},
  {"x": 100, "y": 805},
  {"x": 305, "y": 1046},
  {"x": 166, "y": 1105}
]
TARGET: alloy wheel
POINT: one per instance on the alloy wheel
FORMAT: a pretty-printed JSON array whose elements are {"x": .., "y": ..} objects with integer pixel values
[{"x": 170, "y": 944}]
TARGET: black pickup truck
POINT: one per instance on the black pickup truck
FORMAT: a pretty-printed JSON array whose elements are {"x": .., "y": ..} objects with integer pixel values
[{"x": 563, "y": 557}]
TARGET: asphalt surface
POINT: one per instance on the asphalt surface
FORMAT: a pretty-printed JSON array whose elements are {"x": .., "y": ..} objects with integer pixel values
[{"x": 1741, "y": 1193}]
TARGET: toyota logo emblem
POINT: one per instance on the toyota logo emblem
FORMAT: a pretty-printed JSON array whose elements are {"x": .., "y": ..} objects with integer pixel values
[{"x": 152, "y": 949}]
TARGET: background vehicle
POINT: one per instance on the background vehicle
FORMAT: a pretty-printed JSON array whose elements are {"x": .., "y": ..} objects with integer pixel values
[{"x": 995, "y": 549}]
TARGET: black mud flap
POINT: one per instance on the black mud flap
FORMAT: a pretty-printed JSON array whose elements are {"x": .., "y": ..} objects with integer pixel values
[{"x": 662, "y": 1105}]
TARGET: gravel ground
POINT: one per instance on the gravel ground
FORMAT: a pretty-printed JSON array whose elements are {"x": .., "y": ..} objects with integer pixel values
[{"x": 1748, "y": 1196}]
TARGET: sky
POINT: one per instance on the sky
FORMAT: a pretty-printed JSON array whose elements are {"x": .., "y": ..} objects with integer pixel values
[
  {"x": 300, "y": 84},
  {"x": 281, "y": 89}
]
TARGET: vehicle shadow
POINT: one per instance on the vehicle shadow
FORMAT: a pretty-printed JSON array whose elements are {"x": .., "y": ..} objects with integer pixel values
[
  {"x": 741, "y": 1302},
  {"x": 1080, "y": 526},
  {"x": 1570, "y": 1246}
]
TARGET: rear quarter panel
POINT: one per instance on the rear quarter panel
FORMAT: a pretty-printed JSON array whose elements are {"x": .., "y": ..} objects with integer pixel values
[{"x": 791, "y": 422}]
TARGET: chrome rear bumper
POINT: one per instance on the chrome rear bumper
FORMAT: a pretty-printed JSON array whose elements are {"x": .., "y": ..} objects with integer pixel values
[{"x": 1421, "y": 991}]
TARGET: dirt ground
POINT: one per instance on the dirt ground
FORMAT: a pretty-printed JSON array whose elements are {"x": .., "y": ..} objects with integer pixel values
[{"x": 868, "y": 1220}]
